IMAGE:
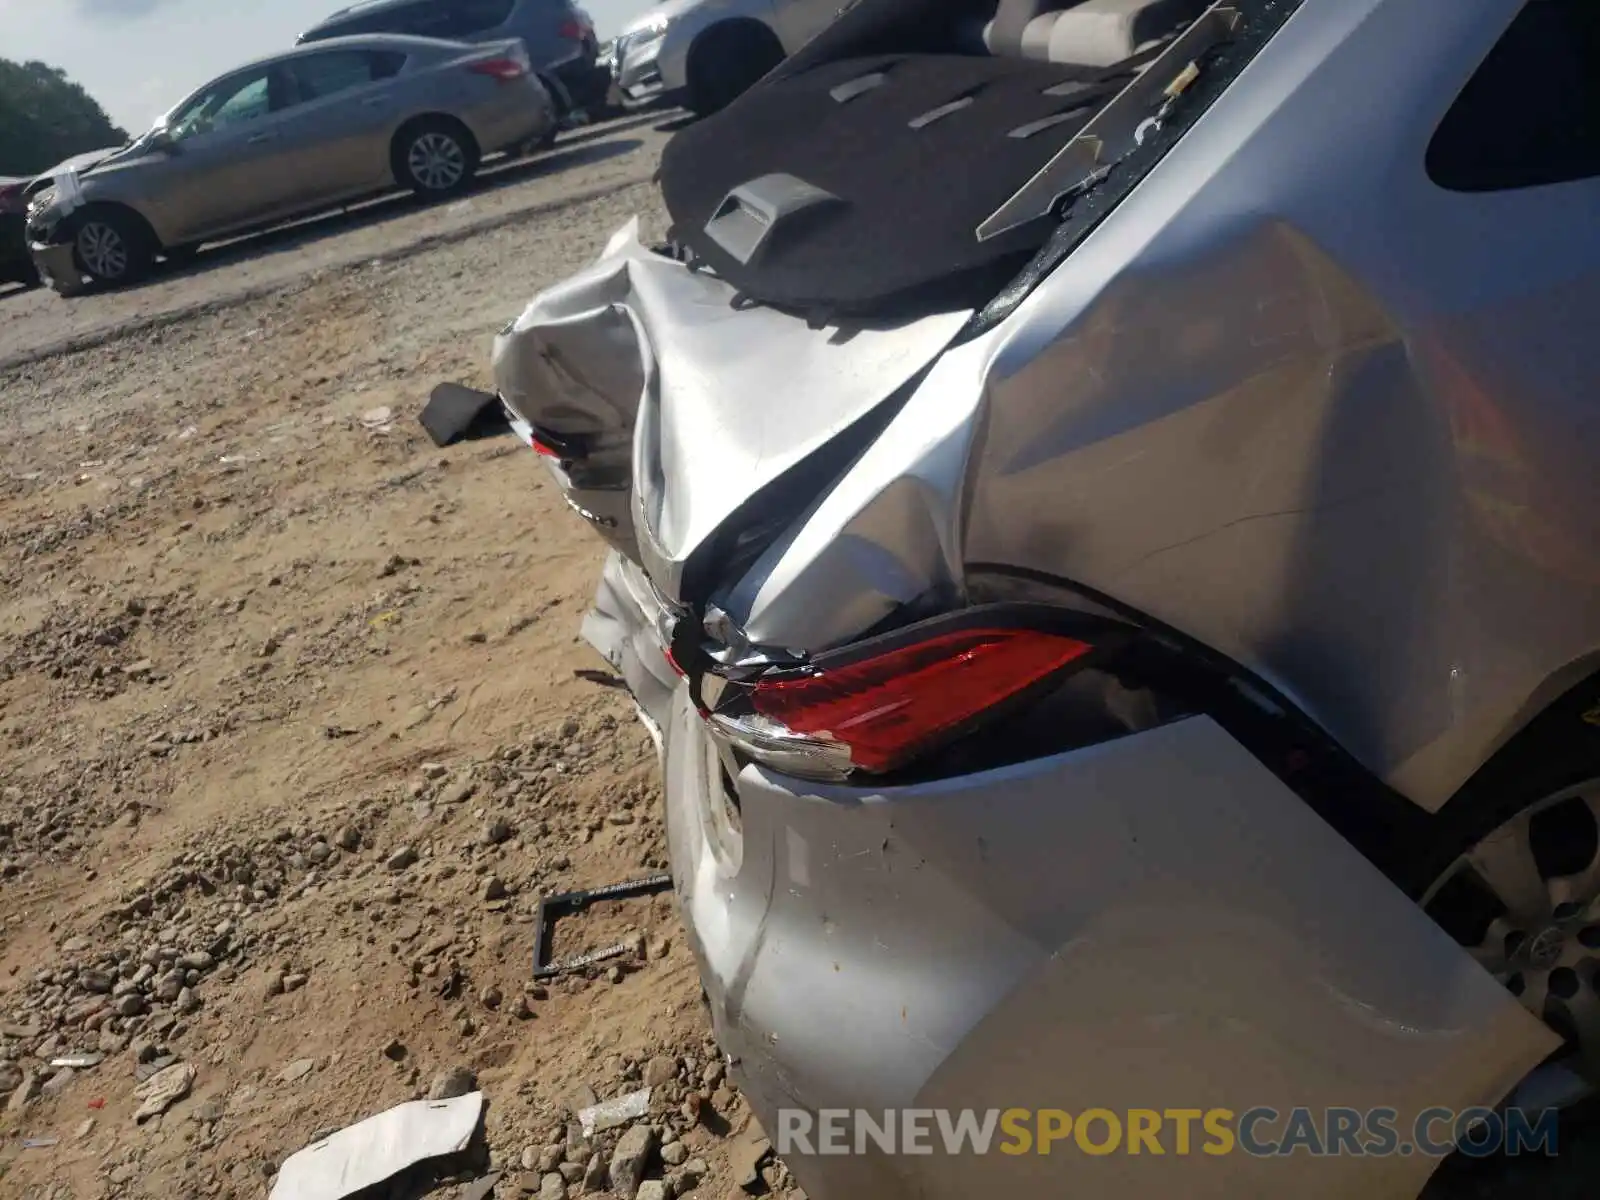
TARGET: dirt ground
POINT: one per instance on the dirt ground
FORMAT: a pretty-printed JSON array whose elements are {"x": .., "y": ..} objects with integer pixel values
[{"x": 293, "y": 735}]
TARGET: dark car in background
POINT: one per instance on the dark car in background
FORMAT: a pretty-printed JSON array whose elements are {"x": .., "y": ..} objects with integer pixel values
[
  {"x": 558, "y": 34},
  {"x": 15, "y": 264}
]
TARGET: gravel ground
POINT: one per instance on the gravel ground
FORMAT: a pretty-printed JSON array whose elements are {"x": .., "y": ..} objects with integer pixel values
[{"x": 293, "y": 732}]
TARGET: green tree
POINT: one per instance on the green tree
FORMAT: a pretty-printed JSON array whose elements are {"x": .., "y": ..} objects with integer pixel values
[{"x": 45, "y": 117}]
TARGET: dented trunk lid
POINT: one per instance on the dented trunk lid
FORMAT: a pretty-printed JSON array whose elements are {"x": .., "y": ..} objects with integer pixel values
[{"x": 679, "y": 403}]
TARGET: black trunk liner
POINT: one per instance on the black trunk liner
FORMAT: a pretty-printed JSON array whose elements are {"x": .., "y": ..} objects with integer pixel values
[{"x": 912, "y": 192}]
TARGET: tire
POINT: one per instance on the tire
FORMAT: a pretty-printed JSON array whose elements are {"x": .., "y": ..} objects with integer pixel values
[
  {"x": 727, "y": 61},
  {"x": 1513, "y": 873},
  {"x": 112, "y": 246},
  {"x": 435, "y": 157}
]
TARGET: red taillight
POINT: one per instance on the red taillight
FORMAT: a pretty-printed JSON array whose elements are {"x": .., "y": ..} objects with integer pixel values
[
  {"x": 544, "y": 448},
  {"x": 505, "y": 69},
  {"x": 574, "y": 30},
  {"x": 878, "y": 713}
]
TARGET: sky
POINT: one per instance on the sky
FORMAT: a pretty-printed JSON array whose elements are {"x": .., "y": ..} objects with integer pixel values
[{"x": 140, "y": 57}]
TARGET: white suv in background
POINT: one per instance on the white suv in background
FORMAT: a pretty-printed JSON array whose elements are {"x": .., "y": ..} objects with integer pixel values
[{"x": 704, "y": 53}]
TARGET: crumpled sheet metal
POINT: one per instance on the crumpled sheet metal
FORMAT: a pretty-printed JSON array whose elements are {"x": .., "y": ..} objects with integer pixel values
[{"x": 746, "y": 388}]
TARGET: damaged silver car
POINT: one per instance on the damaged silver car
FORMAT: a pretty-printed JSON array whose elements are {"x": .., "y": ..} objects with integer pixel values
[{"x": 1102, "y": 506}]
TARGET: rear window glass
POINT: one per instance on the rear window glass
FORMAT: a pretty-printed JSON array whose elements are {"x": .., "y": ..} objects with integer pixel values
[
  {"x": 322, "y": 75},
  {"x": 1530, "y": 116}
]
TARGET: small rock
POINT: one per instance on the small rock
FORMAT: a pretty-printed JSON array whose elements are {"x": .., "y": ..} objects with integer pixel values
[
  {"x": 96, "y": 982},
  {"x": 25, "y": 1093},
  {"x": 630, "y": 1159},
  {"x": 348, "y": 838},
  {"x": 594, "y": 1175},
  {"x": 394, "y": 1050},
  {"x": 457, "y": 1081},
  {"x": 401, "y": 859},
  {"x": 552, "y": 1187},
  {"x": 694, "y": 1171},
  {"x": 188, "y": 1001},
  {"x": 169, "y": 985},
  {"x": 496, "y": 831},
  {"x": 294, "y": 981},
  {"x": 490, "y": 996},
  {"x": 162, "y": 1090},
  {"x": 131, "y": 1005},
  {"x": 652, "y": 1189},
  {"x": 59, "y": 1082},
  {"x": 746, "y": 1156},
  {"x": 571, "y": 1172},
  {"x": 674, "y": 1154},
  {"x": 208, "y": 1112},
  {"x": 530, "y": 1158},
  {"x": 458, "y": 792},
  {"x": 296, "y": 1070},
  {"x": 614, "y": 975},
  {"x": 274, "y": 985},
  {"x": 433, "y": 770},
  {"x": 494, "y": 888},
  {"x": 660, "y": 1071},
  {"x": 550, "y": 1157}
]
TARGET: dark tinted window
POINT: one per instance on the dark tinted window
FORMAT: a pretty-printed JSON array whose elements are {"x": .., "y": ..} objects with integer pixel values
[
  {"x": 321, "y": 75},
  {"x": 1531, "y": 114}
]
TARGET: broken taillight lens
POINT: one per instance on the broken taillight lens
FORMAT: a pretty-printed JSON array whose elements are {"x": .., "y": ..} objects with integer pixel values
[{"x": 878, "y": 712}]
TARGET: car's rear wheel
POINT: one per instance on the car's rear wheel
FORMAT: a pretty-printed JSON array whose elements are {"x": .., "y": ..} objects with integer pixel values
[
  {"x": 435, "y": 157},
  {"x": 1524, "y": 900},
  {"x": 728, "y": 60},
  {"x": 112, "y": 246},
  {"x": 1515, "y": 880}
]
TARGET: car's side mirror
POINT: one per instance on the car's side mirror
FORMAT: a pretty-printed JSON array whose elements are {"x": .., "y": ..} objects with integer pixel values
[{"x": 163, "y": 142}]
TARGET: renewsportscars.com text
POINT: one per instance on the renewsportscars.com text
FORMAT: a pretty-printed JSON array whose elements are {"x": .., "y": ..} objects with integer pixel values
[{"x": 1261, "y": 1132}]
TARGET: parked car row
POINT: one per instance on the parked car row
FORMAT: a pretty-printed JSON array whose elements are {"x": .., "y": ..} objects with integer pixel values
[{"x": 414, "y": 93}]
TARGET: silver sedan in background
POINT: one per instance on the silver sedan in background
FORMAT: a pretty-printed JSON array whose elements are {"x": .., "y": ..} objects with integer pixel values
[{"x": 320, "y": 125}]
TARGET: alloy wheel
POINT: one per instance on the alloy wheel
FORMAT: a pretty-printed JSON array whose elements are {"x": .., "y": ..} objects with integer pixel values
[
  {"x": 102, "y": 250},
  {"x": 1525, "y": 902},
  {"x": 437, "y": 161}
]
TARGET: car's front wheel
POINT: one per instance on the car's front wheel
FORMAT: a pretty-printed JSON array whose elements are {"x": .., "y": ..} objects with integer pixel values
[
  {"x": 435, "y": 158},
  {"x": 112, "y": 246},
  {"x": 728, "y": 60}
]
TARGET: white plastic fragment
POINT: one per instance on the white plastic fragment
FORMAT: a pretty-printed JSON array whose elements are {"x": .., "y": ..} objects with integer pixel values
[
  {"x": 597, "y": 1118},
  {"x": 365, "y": 1154}
]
